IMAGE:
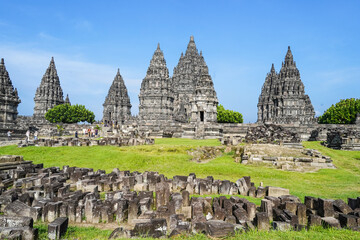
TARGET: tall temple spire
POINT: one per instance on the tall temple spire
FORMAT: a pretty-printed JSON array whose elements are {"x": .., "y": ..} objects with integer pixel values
[
  {"x": 117, "y": 107},
  {"x": 191, "y": 48},
  {"x": 9, "y": 98},
  {"x": 272, "y": 69},
  {"x": 283, "y": 99},
  {"x": 187, "y": 73},
  {"x": 289, "y": 59},
  {"x": 49, "y": 93},
  {"x": 156, "y": 96}
]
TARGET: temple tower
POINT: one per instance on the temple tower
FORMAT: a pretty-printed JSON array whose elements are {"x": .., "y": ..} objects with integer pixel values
[
  {"x": 67, "y": 100},
  {"x": 185, "y": 81},
  {"x": 283, "y": 99},
  {"x": 117, "y": 107},
  {"x": 49, "y": 93},
  {"x": 204, "y": 102},
  {"x": 9, "y": 99},
  {"x": 156, "y": 94}
]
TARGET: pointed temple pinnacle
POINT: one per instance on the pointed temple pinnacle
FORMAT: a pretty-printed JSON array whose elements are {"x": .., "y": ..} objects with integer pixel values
[
  {"x": 158, "y": 46},
  {"x": 272, "y": 68},
  {"x": 2, "y": 61},
  {"x": 191, "y": 38},
  {"x": 118, "y": 72},
  {"x": 52, "y": 59}
]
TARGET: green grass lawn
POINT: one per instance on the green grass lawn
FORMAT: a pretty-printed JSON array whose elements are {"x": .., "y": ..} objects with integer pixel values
[{"x": 169, "y": 157}]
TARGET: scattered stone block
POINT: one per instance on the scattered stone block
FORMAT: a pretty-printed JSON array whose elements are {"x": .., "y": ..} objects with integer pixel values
[
  {"x": 58, "y": 228},
  {"x": 277, "y": 191},
  {"x": 328, "y": 222}
]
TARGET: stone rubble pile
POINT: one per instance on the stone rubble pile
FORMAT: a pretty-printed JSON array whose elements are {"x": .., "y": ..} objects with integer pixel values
[
  {"x": 271, "y": 133},
  {"x": 114, "y": 141},
  {"x": 149, "y": 204},
  {"x": 343, "y": 139},
  {"x": 312, "y": 161}
]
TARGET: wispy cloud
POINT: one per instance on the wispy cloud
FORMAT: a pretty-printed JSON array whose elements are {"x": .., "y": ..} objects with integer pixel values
[
  {"x": 83, "y": 25},
  {"x": 86, "y": 82},
  {"x": 47, "y": 36}
]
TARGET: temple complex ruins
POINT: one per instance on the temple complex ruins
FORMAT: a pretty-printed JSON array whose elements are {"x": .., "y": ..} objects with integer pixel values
[
  {"x": 49, "y": 93},
  {"x": 182, "y": 105},
  {"x": 117, "y": 107},
  {"x": 283, "y": 99},
  {"x": 9, "y": 99}
]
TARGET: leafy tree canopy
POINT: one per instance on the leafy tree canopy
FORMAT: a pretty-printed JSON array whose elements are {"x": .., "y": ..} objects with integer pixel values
[
  {"x": 228, "y": 116},
  {"x": 343, "y": 112},
  {"x": 66, "y": 113}
]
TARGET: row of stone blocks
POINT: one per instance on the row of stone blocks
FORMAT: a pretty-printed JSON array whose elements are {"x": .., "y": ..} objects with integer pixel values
[
  {"x": 113, "y": 141},
  {"x": 73, "y": 193}
]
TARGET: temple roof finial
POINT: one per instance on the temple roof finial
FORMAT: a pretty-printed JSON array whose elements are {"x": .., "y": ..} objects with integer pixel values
[
  {"x": 2, "y": 61},
  {"x": 118, "y": 72},
  {"x": 272, "y": 68},
  {"x": 158, "y": 46},
  {"x": 191, "y": 38}
]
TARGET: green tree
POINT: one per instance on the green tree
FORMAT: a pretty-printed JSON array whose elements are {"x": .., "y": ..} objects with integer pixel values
[
  {"x": 66, "y": 113},
  {"x": 343, "y": 112},
  {"x": 228, "y": 116}
]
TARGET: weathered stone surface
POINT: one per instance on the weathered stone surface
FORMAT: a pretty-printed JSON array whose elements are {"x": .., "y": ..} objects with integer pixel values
[
  {"x": 348, "y": 221},
  {"x": 8, "y": 97},
  {"x": 156, "y": 95},
  {"x": 195, "y": 97},
  {"x": 49, "y": 93},
  {"x": 262, "y": 221},
  {"x": 117, "y": 107},
  {"x": 18, "y": 208},
  {"x": 281, "y": 226},
  {"x": 326, "y": 208},
  {"x": 277, "y": 191},
  {"x": 153, "y": 228},
  {"x": 330, "y": 222},
  {"x": 58, "y": 228},
  {"x": 283, "y": 98}
]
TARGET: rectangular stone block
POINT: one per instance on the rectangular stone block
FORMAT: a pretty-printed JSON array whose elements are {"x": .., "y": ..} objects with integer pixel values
[
  {"x": 58, "y": 228},
  {"x": 277, "y": 191}
]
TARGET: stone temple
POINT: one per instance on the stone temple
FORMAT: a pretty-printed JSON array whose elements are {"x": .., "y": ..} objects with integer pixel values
[
  {"x": 9, "y": 99},
  {"x": 117, "y": 107},
  {"x": 49, "y": 93},
  {"x": 195, "y": 96},
  {"x": 156, "y": 95},
  {"x": 283, "y": 99}
]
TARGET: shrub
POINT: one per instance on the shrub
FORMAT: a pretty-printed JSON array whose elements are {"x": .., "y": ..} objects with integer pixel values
[
  {"x": 343, "y": 112},
  {"x": 65, "y": 113},
  {"x": 228, "y": 116}
]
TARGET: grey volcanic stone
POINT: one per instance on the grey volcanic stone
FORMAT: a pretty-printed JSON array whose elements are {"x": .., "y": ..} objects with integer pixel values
[
  {"x": 283, "y": 99},
  {"x": 9, "y": 99},
  {"x": 58, "y": 228},
  {"x": 193, "y": 88},
  {"x": 156, "y": 95},
  {"x": 49, "y": 93},
  {"x": 117, "y": 107}
]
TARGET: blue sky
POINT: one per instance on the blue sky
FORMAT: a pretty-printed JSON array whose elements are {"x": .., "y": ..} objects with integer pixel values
[{"x": 239, "y": 39}]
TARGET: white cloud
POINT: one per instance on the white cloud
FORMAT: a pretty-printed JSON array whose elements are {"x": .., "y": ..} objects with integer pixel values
[{"x": 86, "y": 83}]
